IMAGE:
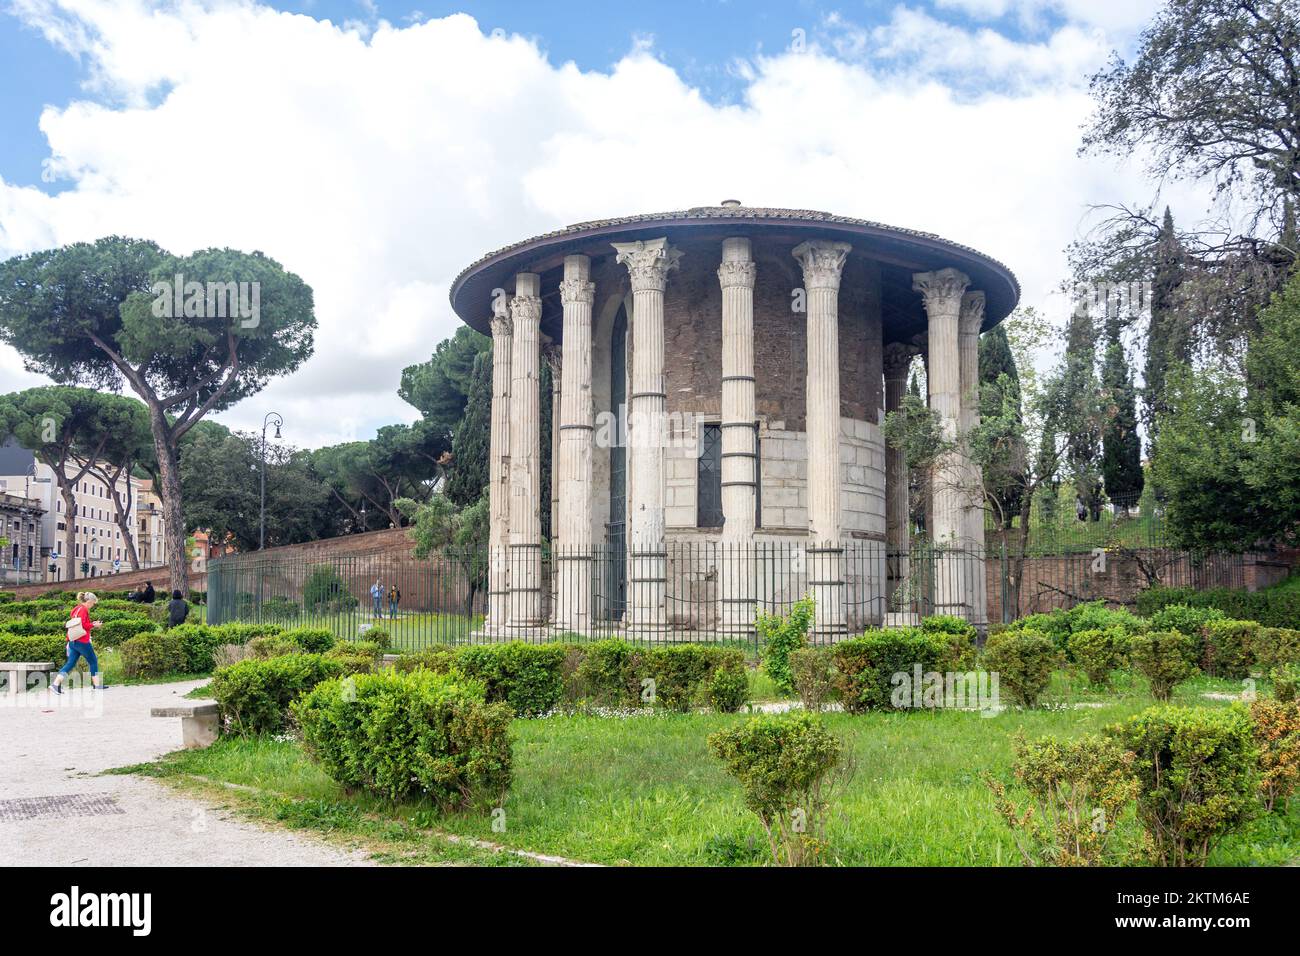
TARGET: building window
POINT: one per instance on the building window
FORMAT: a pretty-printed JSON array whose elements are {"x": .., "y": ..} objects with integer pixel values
[{"x": 708, "y": 478}]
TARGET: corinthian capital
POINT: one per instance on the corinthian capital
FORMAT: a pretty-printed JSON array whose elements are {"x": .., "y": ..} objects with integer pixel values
[
  {"x": 896, "y": 359},
  {"x": 502, "y": 327},
  {"x": 734, "y": 274},
  {"x": 941, "y": 290},
  {"x": 576, "y": 287},
  {"x": 577, "y": 291},
  {"x": 648, "y": 262},
  {"x": 822, "y": 261},
  {"x": 972, "y": 313}
]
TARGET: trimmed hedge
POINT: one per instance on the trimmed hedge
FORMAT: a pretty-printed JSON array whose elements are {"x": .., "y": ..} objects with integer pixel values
[
  {"x": 29, "y": 627},
  {"x": 608, "y": 675},
  {"x": 42, "y": 647},
  {"x": 528, "y": 677},
  {"x": 1271, "y": 607},
  {"x": 155, "y": 654},
  {"x": 254, "y": 696},
  {"x": 113, "y": 633},
  {"x": 313, "y": 640},
  {"x": 406, "y": 735},
  {"x": 1227, "y": 648},
  {"x": 535, "y": 679},
  {"x": 866, "y": 665},
  {"x": 1165, "y": 658},
  {"x": 1024, "y": 661},
  {"x": 1276, "y": 646}
]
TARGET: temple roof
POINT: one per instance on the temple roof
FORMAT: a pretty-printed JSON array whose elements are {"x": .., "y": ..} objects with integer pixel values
[{"x": 908, "y": 249}]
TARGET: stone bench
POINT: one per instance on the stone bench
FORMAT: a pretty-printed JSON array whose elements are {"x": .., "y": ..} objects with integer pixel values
[
  {"x": 18, "y": 672},
  {"x": 198, "y": 722}
]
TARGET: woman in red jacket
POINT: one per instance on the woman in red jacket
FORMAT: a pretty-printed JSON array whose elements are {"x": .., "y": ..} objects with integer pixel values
[{"x": 80, "y": 646}]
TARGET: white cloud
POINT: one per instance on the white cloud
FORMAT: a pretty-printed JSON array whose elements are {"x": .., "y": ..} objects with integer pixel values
[{"x": 377, "y": 168}]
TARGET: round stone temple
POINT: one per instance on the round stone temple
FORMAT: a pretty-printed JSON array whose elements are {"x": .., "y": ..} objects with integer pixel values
[{"x": 745, "y": 357}]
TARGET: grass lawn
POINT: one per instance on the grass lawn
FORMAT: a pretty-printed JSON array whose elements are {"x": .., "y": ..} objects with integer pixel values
[{"x": 643, "y": 790}]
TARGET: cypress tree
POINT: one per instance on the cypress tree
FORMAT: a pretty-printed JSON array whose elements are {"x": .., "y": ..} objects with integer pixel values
[
  {"x": 1166, "y": 341},
  {"x": 1082, "y": 397},
  {"x": 470, "y": 473},
  {"x": 1121, "y": 448}
]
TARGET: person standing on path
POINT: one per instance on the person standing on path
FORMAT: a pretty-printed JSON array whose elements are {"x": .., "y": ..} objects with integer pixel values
[
  {"x": 394, "y": 598},
  {"x": 79, "y": 627},
  {"x": 377, "y": 594}
]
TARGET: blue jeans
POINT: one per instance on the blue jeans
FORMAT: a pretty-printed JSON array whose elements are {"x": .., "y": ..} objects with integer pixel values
[
  {"x": 78, "y": 649},
  {"x": 392, "y": 609},
  {"x": 379, "y": 610}
]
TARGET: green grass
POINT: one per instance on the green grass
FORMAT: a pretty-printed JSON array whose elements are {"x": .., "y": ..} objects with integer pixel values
[{"x": 643, "y": 790}]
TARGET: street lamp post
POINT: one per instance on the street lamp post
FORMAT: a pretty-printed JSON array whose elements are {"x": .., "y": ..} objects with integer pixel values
[{"x": 261, "y": 521}]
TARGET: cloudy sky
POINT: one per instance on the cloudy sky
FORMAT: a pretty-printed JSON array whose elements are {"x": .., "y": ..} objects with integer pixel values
[{"x": 377, "y": 148}]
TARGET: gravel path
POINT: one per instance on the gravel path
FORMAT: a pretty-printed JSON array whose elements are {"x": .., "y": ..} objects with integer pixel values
[{"x": 54, "y": 811}]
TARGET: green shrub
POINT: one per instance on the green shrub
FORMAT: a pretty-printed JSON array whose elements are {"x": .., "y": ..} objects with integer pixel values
[
  {"x": 608, "y": 675},
  {"x": 866, "y": 666},
  {"x": 728, "y": 687},
  {"x": 313, "y": 640},
  {"x": 785, "y": 764},
  {"x": 1271, "y": 607},
  {"x": 1226, "y": 648},
  {"x": 377, "y": 635},
  {"x": 199, "y": 643},
  {"x": 1024, "y": 661},
  {"x": 273, "y": 645},
  {"x": 113, "y": 633},
  {"x": 960, "y": 635},
  {"x": 779, "y": 636},
  {"x": 436, "y": 659},
  {"x": 153, "y": 654},
  {"x": 1072, "y": 785},
  {"x": 406, "y": 735},
  {"x": 1098, "y": 652},
  {"x": 528, "y": 677},
  {"x": 1096, "y": 616},
  {"x": 1274, "y": 646},
  {"x": 359, "y": 657},
  {"x": 240, "y": 633},
  {"x": 1054, "y": 625},
  {"x": 1165, "y": 658},
  {"x": 1277, "y": 736},
  {"x": 120, "y": 606},
  {"x": 1185, "y": 620},
  {"x": 1285, "y": 678},
  {"x": 30, "y": 627},
  {"x": 254, "y": 695},
  {"x": 8, "y": 597},
  {"x": 36, "y": 647},
  {"x": 1197, "y": 777},
  {"x": 813, "y": 672},
  {"x": 681, "y": 674}
]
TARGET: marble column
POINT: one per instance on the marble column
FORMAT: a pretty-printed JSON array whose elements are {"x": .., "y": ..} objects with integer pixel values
[
  {"x": 648, "y": 263},
  {"x": 896, "y": 361},
  {"x": 554, "y": 361},
  {"x": 573, "y": 558},
  {"x": 499, "y": 469},
  {"x": 739, "y": 439},
  {"x": 968, "y": 342},
  {"x": 942, "y": 294},
  {"x": 823, "y": 263},
  {"x": 525, "y": 457}
]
